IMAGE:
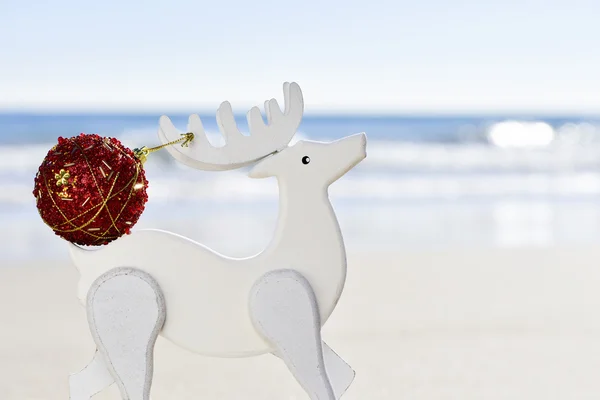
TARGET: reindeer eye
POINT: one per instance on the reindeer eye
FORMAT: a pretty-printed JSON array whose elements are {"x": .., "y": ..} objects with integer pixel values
[{"x": 305, "y": 160}]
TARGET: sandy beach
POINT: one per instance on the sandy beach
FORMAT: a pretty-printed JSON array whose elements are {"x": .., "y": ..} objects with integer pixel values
[{"x": 486, "y": 324}]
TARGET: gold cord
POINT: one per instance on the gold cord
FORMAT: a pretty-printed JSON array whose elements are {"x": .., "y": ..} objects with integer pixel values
[{"x": 142, "y": 154}]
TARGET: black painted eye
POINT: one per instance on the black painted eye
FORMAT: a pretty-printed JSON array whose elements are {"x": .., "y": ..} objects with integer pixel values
[{"x": 305, "y": 160}]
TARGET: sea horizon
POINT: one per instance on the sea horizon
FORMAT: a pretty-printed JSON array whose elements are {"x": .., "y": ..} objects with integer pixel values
[{"x": 427, "y": 182}]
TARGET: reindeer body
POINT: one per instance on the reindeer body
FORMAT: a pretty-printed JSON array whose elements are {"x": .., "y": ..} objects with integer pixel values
[
  {"x": 206, "y": 294},
  {"x": 154, "y": 282}
]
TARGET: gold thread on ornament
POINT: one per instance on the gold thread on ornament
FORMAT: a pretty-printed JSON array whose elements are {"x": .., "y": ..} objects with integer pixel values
[
  {"x": 70, "y": 221},
  {"x": 80, "y": 228},
  {"x": 137, "y": 172},
  {"x": 102, "y": 205},
  {"x": 104, "y": 201},
  {"x": 142, "y": 153}
]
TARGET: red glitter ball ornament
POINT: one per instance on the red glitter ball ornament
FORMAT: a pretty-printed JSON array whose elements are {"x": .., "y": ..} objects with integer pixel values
[{"x": 90, "y": 190}]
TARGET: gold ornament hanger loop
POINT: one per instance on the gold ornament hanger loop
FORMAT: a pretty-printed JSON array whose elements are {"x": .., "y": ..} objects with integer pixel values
[{"x": 142, "y": 153}]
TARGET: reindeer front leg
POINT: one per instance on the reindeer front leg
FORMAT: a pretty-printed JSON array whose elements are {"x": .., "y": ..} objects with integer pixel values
[
  {"x": 284, "y": 310},
  {"x": 339, "y": 372}
]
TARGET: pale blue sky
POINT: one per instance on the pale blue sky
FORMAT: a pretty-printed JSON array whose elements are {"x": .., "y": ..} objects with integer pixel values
[{"x": 427, "y": 55}]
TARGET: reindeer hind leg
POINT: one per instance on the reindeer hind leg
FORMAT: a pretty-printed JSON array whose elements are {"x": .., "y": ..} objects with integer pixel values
[{"x": 126, "y": 311}]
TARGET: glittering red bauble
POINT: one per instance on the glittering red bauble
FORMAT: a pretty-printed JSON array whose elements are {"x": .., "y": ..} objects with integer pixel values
[{"x": 90, "y": 190}]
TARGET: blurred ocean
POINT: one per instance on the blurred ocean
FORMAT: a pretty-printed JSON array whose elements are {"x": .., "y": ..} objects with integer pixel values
[{"x": 429, "y": 182}]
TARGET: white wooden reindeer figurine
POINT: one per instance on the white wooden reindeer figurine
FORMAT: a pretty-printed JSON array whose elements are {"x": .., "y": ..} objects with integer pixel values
[{"x": 155, "y": 282}]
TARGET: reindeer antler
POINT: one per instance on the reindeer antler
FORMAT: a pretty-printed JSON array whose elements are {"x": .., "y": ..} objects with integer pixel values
[{"x": 239, "y": 150}]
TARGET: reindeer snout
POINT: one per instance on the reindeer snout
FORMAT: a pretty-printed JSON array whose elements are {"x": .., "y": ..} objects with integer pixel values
[
  {"x": 356, "y": 146},
  {"x": 349, "y": 151}
]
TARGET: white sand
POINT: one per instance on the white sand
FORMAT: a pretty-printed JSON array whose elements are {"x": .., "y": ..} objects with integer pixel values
[{"x": 518, "y": 324}]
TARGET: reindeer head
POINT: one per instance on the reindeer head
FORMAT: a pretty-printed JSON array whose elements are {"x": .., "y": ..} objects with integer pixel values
[
  {"x": 307, "y": 162},
  {"x": 314, "y": 162}
]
